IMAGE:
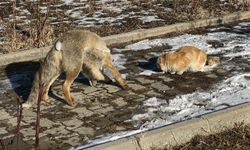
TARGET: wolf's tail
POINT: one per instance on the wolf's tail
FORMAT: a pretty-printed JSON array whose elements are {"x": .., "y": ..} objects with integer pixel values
[{"x": 58, "y": 45}]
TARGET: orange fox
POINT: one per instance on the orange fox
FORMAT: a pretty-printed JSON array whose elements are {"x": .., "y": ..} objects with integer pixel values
[
  {"x": 184, "y": 59},
  {"x": 74, "y": 51}
]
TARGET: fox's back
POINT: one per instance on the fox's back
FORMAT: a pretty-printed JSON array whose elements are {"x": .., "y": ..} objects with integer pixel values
[
  {"x": 191, "y": 51},
  {"x": 195, "y": 55}
]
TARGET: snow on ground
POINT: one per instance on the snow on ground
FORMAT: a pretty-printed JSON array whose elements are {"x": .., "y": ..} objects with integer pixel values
[
  {"x": 234, "y": 44},
  {"x": 232, "y": 91},
  {"x": 119, "y": 60},
  {"x": 200, "y": 41},
  {"x": 76, "y": 11},
  {"x": 186, "y": 106}
]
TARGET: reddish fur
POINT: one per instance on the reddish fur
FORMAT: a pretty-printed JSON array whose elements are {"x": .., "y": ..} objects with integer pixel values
[{"x": 183, "y": 59}]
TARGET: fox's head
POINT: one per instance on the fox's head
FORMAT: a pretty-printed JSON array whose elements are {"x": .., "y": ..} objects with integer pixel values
[
  {"x": 162, "y": 62},
  {"x": 213, "y": 60}
]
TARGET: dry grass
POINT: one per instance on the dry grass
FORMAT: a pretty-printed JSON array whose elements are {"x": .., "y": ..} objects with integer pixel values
[
  {"x": 25, "y": 39},
  {"x": 186, "y": 10},
  {"x": 40, "y": 33},
  {"x": 237, "y": 138},
  {"x": 91, "y": 7}
]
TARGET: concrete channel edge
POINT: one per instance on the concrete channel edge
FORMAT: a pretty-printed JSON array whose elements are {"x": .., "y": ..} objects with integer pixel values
[
  {"x": 181, "y": 132},
  {"x": 39, "y": 53}
]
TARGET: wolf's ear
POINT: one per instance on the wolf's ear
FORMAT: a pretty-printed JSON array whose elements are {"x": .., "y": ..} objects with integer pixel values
[{"x": 58, "y": 45}]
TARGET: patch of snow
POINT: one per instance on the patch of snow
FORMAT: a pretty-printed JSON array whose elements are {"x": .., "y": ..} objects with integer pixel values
[
  {"x": 234, "y": 44},
  {"x": 200, "y": 41},
  {"x": 67, "y": 2},
  {"x": 149, "y": 18},
  {"x": 230, "y": 92},
  {"x": 147, "y": 72},
  {"x": 119, "y": 60}
]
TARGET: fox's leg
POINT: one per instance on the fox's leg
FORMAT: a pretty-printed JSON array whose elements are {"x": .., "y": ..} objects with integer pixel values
[
  {"x": 197, "y": 68},
  {"x": 92, "y": 74},
  {"x": 182, "y": 69},
  {"x": 70, "y": 77},
  {"x": 201, "y": 68},
  {"x": 108, "y": 64},
  {"x": 92, "y": 82},
  {"x": 98, "y": 75}
]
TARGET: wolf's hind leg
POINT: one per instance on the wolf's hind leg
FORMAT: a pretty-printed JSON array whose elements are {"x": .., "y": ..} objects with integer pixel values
[
  {"x": 70, "y": 77},
  {"x": 47, "y": 87}
]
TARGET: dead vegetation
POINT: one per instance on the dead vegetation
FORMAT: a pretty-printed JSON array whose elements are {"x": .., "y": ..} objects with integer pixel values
[
  {"x": 237, "y": 138},
  {"x": 37, "y": 34},
  {"x": 40, "y": 30}
]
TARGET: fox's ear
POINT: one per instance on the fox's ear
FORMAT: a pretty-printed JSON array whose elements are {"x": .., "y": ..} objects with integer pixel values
[{"x": 58, "y": 45}]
